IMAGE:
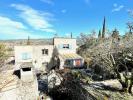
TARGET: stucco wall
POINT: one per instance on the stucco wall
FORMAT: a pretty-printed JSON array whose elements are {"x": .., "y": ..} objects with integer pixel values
[
  {"x": 60, "y": 41},
  {"x": 36, "y": 56},
  {"x": 19, "y": 50},
  {"x": 35, "y": 52},
  {"x": 39, "y": 57}
]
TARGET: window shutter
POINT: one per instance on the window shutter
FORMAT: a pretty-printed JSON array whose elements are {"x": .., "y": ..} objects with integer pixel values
[
  {"x": 61, "y": 46},
  {"x": 70, "y": 46},
  {"x": 26, "y": 56}
]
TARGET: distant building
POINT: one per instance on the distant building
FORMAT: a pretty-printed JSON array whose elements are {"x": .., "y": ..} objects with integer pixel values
[{"x": 61, "y": 54}]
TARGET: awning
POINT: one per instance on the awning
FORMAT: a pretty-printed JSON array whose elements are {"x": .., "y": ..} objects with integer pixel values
[
  {"x": 26, "y": 64},
  {"x": 70, "y": 56}
]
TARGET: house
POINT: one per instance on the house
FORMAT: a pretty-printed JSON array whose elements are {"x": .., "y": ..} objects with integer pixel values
[
  {"x": 66, "y": 48},
  {"x": 61, "y": 54},
  {"x": 40, "y": 55}
]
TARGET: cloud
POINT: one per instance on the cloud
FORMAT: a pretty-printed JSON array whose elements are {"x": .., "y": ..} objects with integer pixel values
[
  {"x": 48, "y": 1},
  {"x": 64, "y": 11},
  {"x": 14, "y": 29},
  {"x": 34, "y": 18},
  {"x": 6, "y": 22},
  {"x": 117, "y": 7}
]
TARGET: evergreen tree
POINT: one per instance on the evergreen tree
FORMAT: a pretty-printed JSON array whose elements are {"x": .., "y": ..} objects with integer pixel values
[
  {"x": 104, "y": 28},
  {"x": 99, "y": 34},
  {"x": 28, "y": 41},
  {"x": 71, "y": 35}
]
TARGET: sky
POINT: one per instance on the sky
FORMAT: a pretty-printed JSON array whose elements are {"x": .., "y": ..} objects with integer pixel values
[{"x": 45, "y": 18}]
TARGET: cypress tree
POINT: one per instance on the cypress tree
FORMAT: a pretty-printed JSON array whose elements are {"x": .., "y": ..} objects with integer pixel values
[
  {"x": 28, "y": 41},
  {"x": 104, "y": 28},
  {"x": 99, "y": 34},
  {"x": 71, "y": 35}
]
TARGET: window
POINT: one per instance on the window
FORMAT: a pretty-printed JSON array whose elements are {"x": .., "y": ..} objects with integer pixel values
[
  {"x": 69, "y": 63},
  {"x": 45, "y": 51},
  {"x": 66, "y": 46},
  {"x": 26, "y": 56}
]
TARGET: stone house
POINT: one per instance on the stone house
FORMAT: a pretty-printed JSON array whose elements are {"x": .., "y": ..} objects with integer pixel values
[{"x": 62, "y": 54}]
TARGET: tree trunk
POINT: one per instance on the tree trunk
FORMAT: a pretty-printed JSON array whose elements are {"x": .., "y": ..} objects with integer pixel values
[
  {"x": 130, "y": 86},
  {"x": 124, "y": 86},
  {"x": 124, "y": 83},
  {"x": 130, "y": 89}
]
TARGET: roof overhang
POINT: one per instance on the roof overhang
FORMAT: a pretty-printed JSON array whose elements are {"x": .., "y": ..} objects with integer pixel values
[
  {"x": 26, "y": 65},
  {"x": 70, "y": 56}
]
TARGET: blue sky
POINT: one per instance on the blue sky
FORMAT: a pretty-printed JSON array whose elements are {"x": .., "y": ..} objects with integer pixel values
[{"x": 43, "y": 18}]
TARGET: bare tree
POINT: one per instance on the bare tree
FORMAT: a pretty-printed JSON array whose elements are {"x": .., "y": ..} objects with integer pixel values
[
  {"x": 114, "y": 59},
  {"x": 115, "y": 33},
  {"x": 115, "y": 64},
  {"x": 87, "y": 40},
  {"x": 130, "y": 23}
]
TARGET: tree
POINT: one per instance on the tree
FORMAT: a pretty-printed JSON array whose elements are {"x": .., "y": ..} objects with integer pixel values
[
  {"x": 88, "y": 40},
  {"x": 117, "y": 64},
  {"x": 115, "y": 33},
  {"x": 71, "y": 35},
  {"x": 115, "y": 60},
  {"x": 104, "y": 28},
  {"x": 3, "y": 55},
  {"x": 99, "y": 34},
  {"x": 130, "y": 27},
  {"x": 28, "y": 41},
  {"x": 130, "y": 23}
]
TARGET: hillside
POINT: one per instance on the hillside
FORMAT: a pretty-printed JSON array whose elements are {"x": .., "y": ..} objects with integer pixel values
[{"x": 12, "y": 43}]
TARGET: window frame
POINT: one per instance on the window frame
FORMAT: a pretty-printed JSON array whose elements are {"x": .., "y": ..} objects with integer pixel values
[
  {"x": 66, "y": 46},
  {"x": 26, "y": 56},
  {"x": 45, "y": 51}
]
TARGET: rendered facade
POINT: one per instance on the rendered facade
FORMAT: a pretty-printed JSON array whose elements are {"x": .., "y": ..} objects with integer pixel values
[{"x": 61, "y": 54}]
